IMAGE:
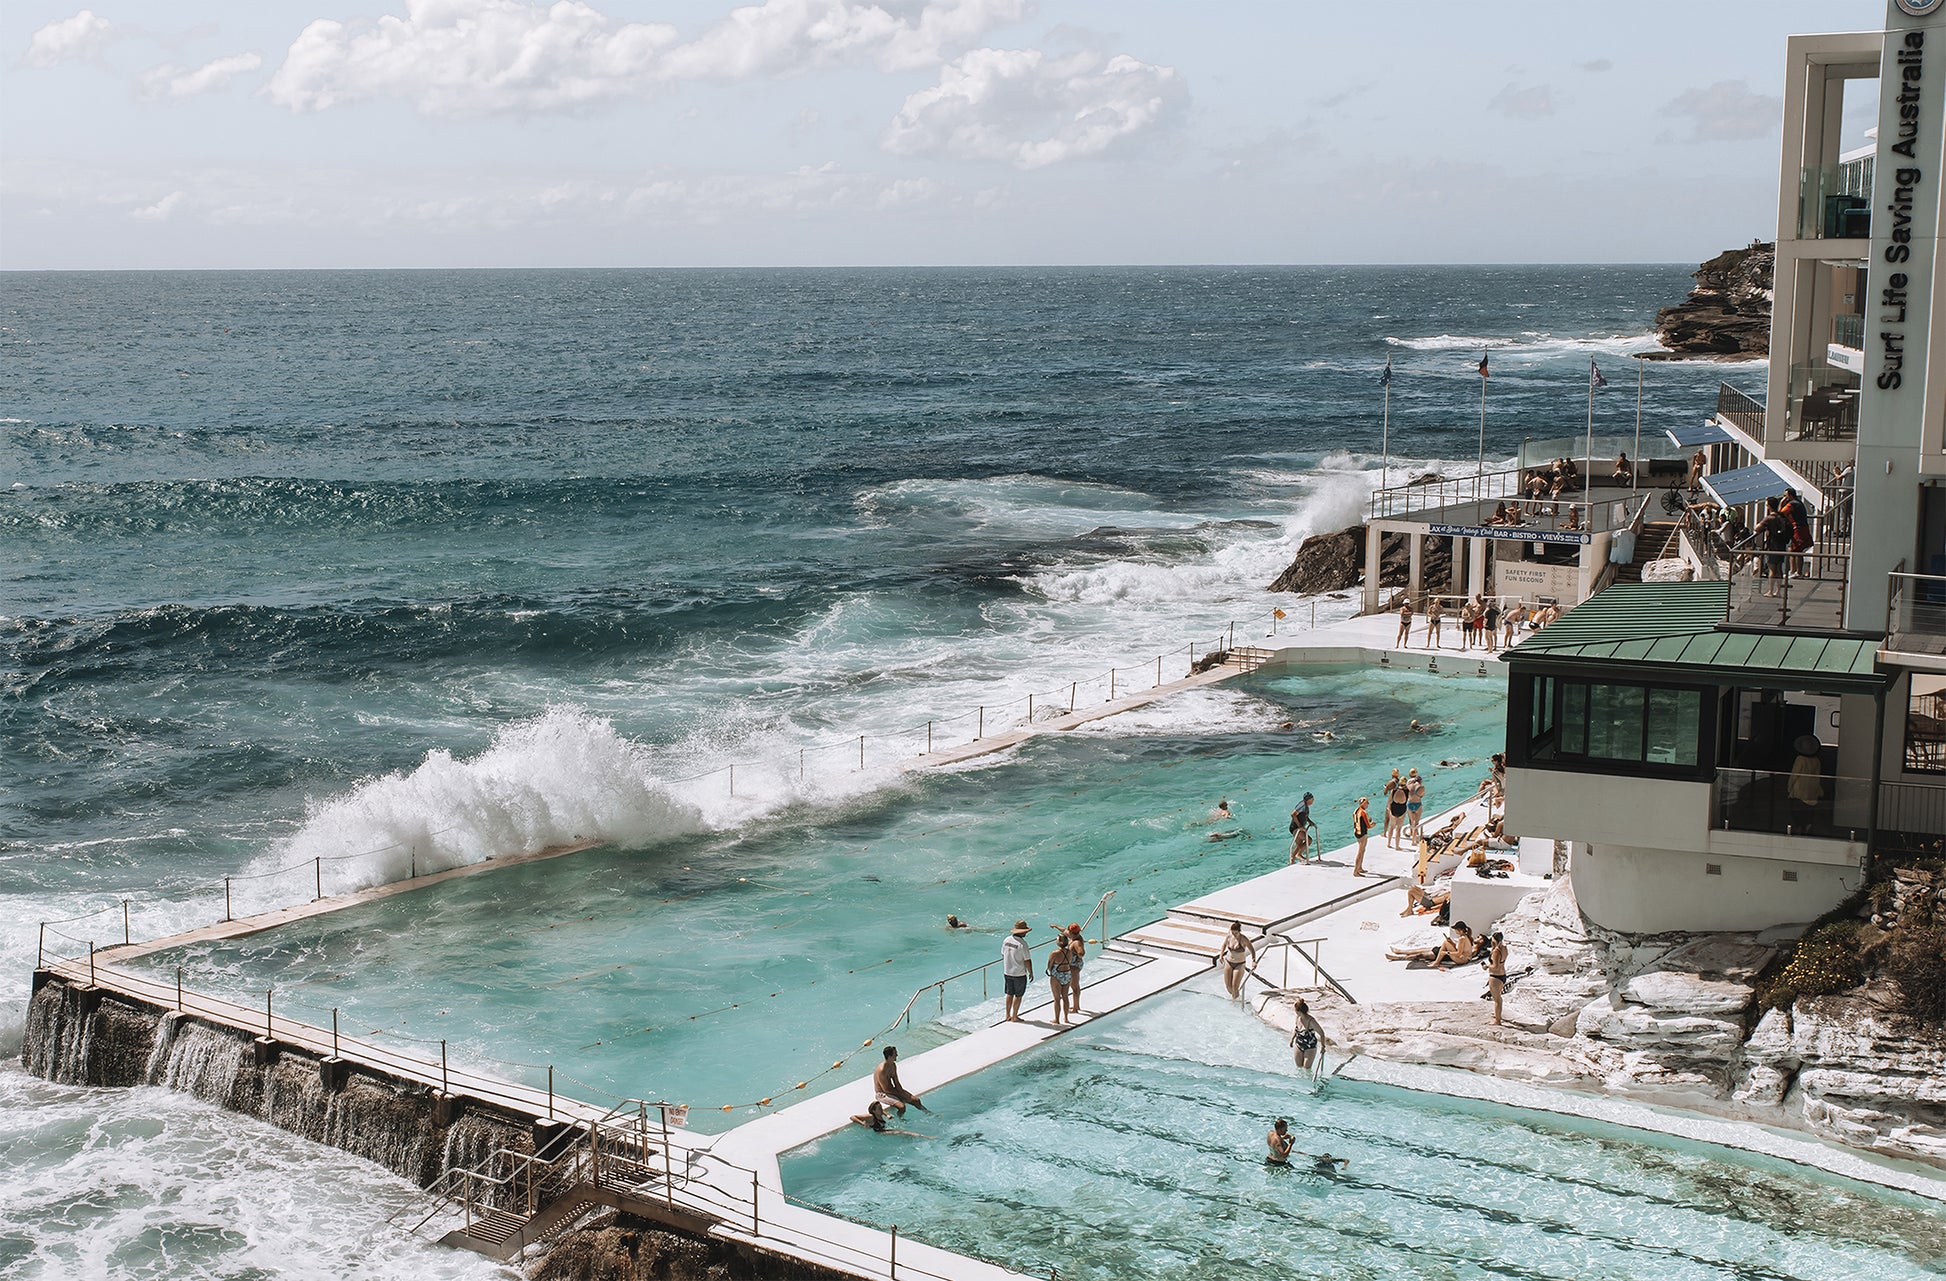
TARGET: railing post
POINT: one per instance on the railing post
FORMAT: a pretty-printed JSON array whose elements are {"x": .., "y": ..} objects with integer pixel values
[
  {"x": 444, "y": 1088},
  {"x": 226, "y": 899},
  {"x": 267, "y": 1033},
  {"x": 1111, "y": 684},
  {"x": 334, "y": 1034},
  {"x": 980, "y": 726},
  {"x": 550, "y": 1075},
  {"x": 756, "y": 1223},
  {"x": 861, "y": 751},
  {"x": 40, "y": 948},
  {"x": 733, "y": 780},
  {"x": 91, "y": 962},
  {"x": 1158, "y": 671},
  {"x": 1030, "y": 709},
  {"x": 318, "y": 869},
  {"x": 929, "y": 738},
  {"x": 893, "y": 1273},
  {"x": 124, "y": 922},
  {"x": 179, "y": 989},
  {"x": 1072, "y": 687},
  {"x": 668, "y": 1162}
]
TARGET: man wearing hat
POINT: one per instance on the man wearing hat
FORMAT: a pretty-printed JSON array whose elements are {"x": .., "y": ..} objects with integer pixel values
[{"x": 1016, "y": 967}]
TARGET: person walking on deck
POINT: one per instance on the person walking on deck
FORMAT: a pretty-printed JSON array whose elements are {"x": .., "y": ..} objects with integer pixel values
[
  {"x": 1302, "y": 830},
  {"x": 1077, "y": 954},
  {"x": 1237, "y": 953},
  {"x": 1016, "y": 967},
  {"x": 1361, "y": 827}
]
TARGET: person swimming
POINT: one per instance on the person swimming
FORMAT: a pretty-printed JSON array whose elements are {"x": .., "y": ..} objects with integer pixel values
[
  {"x": 954, "y": 923},
  {"x": 1328, "y": 1164}
]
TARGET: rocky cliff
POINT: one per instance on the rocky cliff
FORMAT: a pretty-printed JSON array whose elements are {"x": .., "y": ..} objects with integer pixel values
[
  {"x": 1677, "y": 1018},
  {"x": 1336, "y": 563},
  {"x": 1727, "y": 314}
]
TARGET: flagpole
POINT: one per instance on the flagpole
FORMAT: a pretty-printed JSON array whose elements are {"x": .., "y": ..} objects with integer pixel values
[
  {"x": 1588, "y": 481},
  {"x": 1385, "y": 467},
  {"x": 1635, "y": 476},
  {"x": 1480, "y": 466}
]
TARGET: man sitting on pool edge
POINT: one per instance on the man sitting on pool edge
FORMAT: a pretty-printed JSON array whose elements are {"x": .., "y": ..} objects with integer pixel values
[{"x": 885, "y": 1084}]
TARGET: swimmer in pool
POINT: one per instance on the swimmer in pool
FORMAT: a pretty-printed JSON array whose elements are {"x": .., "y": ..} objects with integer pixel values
[
  {"x": 954, "y": 923},
  {"x": 874, "y": 1120},
  {"x": 1280, "y": 1140},
  {"x": 1329, "y": 1165}
]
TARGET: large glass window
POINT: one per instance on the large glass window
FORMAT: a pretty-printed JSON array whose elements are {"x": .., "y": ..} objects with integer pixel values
[
  {"x": 1925, "y": 725},
  {"x": 1611, "y": 722}
]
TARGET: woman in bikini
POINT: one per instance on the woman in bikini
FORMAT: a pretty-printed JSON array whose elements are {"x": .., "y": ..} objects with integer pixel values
[
  {"x": 1397, "y": 796},
  {"x": 1060, "y": 968},
  {"x": 1307, "y": 1037},
  {"x": 1238, "y": 951}
]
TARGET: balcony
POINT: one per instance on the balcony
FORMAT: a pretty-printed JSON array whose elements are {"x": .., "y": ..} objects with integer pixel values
[
  {"x": 1743, "y": 412},
  {"x": 1474, "y": 501},
  {"x": 1915, "y": 615},
  {"x": 1756, "y": 800},
  {"x": 1835, "y": 203},
  {"x": 1794, "y": 591},
  {"x": 1823, "y": 404}
]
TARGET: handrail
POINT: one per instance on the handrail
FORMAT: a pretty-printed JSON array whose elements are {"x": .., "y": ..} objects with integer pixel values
[
  {"x": 1274, "y": 942},
  {"x": 904, "y": 1016}
]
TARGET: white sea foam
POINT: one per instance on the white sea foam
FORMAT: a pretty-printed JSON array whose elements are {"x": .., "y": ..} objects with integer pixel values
[{"x": 1533, "y": 343}]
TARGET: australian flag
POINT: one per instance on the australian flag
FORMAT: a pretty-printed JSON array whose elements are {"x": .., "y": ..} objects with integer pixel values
[
  {"x": 1594, "y": 375},
  {"x": 1385, "y": 379}
]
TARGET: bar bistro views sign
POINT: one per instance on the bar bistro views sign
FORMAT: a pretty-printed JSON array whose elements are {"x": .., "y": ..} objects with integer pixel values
[{"x": 1513, "y": 534}]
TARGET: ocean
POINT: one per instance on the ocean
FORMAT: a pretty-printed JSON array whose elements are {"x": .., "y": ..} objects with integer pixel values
[{"x": 403, "y": 569}]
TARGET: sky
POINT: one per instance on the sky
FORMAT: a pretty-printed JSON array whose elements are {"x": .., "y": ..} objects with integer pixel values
[{"x": 509, "y": 133}]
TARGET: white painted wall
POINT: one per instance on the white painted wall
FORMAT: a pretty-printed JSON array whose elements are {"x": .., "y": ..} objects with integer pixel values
[
  {"x": 1649, "y": 891},
  {"x": 1652, "y": 812}
]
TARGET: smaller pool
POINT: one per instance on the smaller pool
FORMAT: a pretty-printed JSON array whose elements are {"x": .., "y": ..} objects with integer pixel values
[{"x": 1135, "y": 1149}]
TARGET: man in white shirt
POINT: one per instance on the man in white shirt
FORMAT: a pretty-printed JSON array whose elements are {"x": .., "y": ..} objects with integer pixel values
[{"x": 1016, "y": 967}]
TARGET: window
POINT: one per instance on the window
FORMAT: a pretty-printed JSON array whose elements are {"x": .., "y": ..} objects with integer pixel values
[
  {"x": 1578, "y": 721},
  {"x": 1925, "y": 725}
]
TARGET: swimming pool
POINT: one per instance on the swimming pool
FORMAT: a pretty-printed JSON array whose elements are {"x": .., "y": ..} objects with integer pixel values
[
  {"x": 1134, "y": 1148},
  {"x": 724, "y": 969}
]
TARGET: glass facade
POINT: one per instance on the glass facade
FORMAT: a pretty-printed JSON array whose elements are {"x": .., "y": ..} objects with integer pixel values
[{"x": 1635, "y": 727}]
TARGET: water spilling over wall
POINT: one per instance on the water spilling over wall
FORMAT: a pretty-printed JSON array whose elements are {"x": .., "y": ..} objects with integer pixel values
[{"x": 81, "y": 1037}]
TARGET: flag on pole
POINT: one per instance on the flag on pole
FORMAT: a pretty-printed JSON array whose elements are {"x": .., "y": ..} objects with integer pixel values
[
  {"x": 1594, "y": 374},
  {"x": 1385, "y": 379},
  {"x": 1483, "y": 364}
]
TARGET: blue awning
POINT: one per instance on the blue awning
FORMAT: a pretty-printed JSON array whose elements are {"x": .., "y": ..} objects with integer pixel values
[
  {"x": 1703, "y": 434},
  {"x": 1745, "y": 485}
]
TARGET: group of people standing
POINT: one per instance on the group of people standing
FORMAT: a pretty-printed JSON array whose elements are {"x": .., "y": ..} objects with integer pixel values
[
  {"x": 1782, "y": 537},
  {"x": 1482, "y": 622},
  {"x": 1064, "y": 962}
]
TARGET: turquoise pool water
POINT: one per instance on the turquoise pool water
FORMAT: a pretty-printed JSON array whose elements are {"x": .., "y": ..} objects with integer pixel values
[
  {"x": 1134, "y": 1149},
  {"x": 725, "y": 969}
]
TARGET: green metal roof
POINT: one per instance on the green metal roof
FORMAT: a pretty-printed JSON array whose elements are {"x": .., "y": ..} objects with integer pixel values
[{"x": 1675, "y": 627}]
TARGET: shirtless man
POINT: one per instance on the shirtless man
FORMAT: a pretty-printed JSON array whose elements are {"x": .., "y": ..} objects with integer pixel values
[
  {"x": 885, "y": 1084},
  {"x": 1281, "y": 1141}
]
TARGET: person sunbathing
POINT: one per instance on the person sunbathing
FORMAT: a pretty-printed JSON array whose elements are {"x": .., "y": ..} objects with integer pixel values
[
  {"x": 1459, "y": 948},
  {"x": 1428, "y": 898}
]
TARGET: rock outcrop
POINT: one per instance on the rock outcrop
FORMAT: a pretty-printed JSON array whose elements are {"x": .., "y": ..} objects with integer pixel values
[
  {"x": 1727, "y": 314},
  {"x": 1336, "y": 563},
  {"x": 1676, "y": 1018}
]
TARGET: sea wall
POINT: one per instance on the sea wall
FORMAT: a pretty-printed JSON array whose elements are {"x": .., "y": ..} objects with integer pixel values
[
  {"x": 613, "y": 1246},
  {"x": 82, "y": 1036},
  {"x": 1674, "y": 1018}
]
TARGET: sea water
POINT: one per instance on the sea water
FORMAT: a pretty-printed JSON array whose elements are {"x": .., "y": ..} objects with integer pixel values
[
  {"x": 1136, "y": 1147},
  {"x": 383, "y": 567}
]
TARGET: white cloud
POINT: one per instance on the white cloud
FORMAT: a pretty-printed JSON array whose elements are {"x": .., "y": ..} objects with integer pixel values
[
  {"x": 74, "y": 37},
  {"x": 470, "y": 57},
  {"x": 1727, "y": 111},
  {"x": 1020, "y": 106},
  {"x": 158, "y": 211},
  {"x": 1529, "y": 102},
  {"x": 172, "y": 81}
]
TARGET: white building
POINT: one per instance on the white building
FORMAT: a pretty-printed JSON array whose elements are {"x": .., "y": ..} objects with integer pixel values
[{"x": 1724, "y": 758}]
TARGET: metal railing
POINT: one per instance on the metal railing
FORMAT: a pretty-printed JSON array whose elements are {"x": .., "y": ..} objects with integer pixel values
[
  {"x": 1799, "y": 591},
  {"x": 1742, "y": 411},
  {"x": 1915, "y": 613},
  {"x": 1823, "y": 404},
  {"x": 1320, "y": 977},
  {"x": 1466, "y": 500},
  {"x": 904, "y": 1017}
]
